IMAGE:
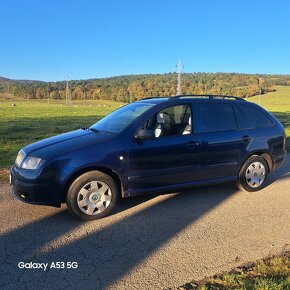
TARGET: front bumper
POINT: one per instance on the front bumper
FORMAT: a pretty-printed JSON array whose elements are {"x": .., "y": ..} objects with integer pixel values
[{"x": 31, "y": 190}]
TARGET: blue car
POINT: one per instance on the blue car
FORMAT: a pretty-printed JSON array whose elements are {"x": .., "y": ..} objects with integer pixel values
[{"x": 152, "y": 145}]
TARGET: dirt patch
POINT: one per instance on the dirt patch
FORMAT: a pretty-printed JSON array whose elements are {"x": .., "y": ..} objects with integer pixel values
[{"x": 4, "y": 175}]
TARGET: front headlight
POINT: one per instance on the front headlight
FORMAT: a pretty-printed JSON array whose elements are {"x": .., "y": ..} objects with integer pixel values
[
  {"x": 19, "y": 158},
  {"x": 31, "y": 163}
]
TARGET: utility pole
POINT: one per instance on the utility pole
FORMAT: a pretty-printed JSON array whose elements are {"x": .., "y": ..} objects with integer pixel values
[
  {"x": 84, "y": 93},
  {"x": 179, "y": 68},
  {"x": 26, "y": 89},
  {"x": 85, "y": 97},
  {"x": 48, "y": 93},
  {"x": 67, "y": 94},
  {"x": 260, "y": 91}
]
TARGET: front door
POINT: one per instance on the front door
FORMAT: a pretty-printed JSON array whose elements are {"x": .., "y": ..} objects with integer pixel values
[{"x": 167, "y": 160}]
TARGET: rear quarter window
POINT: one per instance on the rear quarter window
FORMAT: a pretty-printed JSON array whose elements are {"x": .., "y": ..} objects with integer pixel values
[
  {"x": 255, "y": 117},
  {"x": 216, "y": 117}
]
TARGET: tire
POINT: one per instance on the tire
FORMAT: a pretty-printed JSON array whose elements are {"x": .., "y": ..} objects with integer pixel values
[
  {"x": 92, "y": 195},
  {"x": 253, "y": 174}
]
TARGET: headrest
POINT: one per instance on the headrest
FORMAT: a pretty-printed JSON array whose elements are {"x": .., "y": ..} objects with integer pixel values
[
  {"x": 160, "y": 118},
  {"x": 163, "y": 118}
]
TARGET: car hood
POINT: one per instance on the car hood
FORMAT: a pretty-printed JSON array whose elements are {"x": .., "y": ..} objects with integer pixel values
[{"x": 63, "y": 143}]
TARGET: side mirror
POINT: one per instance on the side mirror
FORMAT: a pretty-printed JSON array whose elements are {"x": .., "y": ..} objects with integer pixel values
[{"x": 145, "y": 134}]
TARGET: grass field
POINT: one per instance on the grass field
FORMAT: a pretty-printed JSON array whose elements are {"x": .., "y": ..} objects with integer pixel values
[
  {"x": 35, "y": 120},
  {"x": 30, "y": 121},
  {"x": 278, "y": 103}
]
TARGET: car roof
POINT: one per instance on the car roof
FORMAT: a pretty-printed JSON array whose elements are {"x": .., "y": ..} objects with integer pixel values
[{"x": 156, "y": 100}]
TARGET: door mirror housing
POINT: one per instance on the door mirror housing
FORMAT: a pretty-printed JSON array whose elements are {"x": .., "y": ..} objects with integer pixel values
[{"x": 145, "y": 134}]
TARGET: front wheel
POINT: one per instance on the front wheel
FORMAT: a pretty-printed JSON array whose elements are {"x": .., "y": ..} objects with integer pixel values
[
  {"x": 253, "y": 174},
  {"x": 92, "y": 195}
]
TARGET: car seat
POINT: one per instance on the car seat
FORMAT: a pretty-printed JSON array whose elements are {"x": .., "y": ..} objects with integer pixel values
[
  {"x": 162, "y": 125},
  {"x": 187, "y": 129}
]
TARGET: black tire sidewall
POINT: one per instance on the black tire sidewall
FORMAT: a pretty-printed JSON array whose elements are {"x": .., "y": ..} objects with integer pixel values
[
  {"x": 82, "y": 180},
  {"x": 242, "y": 175}
]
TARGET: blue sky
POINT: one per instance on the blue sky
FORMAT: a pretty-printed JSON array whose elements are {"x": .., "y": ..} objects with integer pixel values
[{"x": 52, "y": 40}]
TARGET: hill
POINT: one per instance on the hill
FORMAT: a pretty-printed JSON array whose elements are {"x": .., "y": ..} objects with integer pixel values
[
  {"x": 4, "y": 79},
  {"x": 132, "y": 87},
  {"x": 278, "y": 103}
]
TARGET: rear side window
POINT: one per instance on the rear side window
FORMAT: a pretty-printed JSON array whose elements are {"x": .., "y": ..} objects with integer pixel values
[
  {"x": 216, "y": 117},
  {"x": 255, "y": 117},
  {"x": 242, "y": 120}
]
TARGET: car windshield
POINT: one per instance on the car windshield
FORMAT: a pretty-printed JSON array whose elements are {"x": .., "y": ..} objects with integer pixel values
[{"x": 121, "y": 118}]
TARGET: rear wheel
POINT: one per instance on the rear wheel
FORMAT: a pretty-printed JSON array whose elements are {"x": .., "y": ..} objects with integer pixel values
[
  {"x": 92, "y": 195},
  {"x": 253, "y": 174}
]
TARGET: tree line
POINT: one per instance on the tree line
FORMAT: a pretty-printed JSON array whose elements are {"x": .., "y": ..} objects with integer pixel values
[{"x": 134, "y": 87}]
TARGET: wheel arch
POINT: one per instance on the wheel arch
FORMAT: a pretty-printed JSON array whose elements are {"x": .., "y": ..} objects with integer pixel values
[
  {"x": 263, "y": 154},
  {"x": 102, "y": 169}
]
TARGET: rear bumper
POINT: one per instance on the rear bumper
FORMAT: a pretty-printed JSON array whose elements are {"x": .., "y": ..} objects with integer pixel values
[{"x": 32, "y": 191}]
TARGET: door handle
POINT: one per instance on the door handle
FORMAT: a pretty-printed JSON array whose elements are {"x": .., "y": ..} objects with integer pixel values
[
  {"x": 193, "y": 144},
  {"x": 246, "y": 138}
]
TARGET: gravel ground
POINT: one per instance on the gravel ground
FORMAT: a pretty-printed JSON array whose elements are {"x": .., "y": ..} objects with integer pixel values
[{"x": 150, "y": 242}]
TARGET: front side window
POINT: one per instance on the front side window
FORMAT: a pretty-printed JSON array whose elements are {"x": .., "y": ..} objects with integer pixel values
[
  {"x": 171, "y": 121},
  {"x": 121, "y": 118},
  {"x": 216, "y": 117}
]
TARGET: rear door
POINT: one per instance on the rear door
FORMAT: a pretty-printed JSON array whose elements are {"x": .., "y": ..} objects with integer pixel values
[{"x": 223, "y": 143}]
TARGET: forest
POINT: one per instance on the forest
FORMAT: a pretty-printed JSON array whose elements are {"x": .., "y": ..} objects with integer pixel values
[{"x": 134, "y": 87}]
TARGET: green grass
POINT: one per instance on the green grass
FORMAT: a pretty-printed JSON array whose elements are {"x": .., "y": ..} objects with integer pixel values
[
  {"x": 267, "y": 274},
  {"x": 31, "y": 121},
  {"x": 278, "y": 103}
]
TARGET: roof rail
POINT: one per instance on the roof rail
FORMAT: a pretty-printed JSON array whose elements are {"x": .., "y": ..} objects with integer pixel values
[
  {"x": 156, "y": 97},
  {"x": 209, "y": 97}
]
